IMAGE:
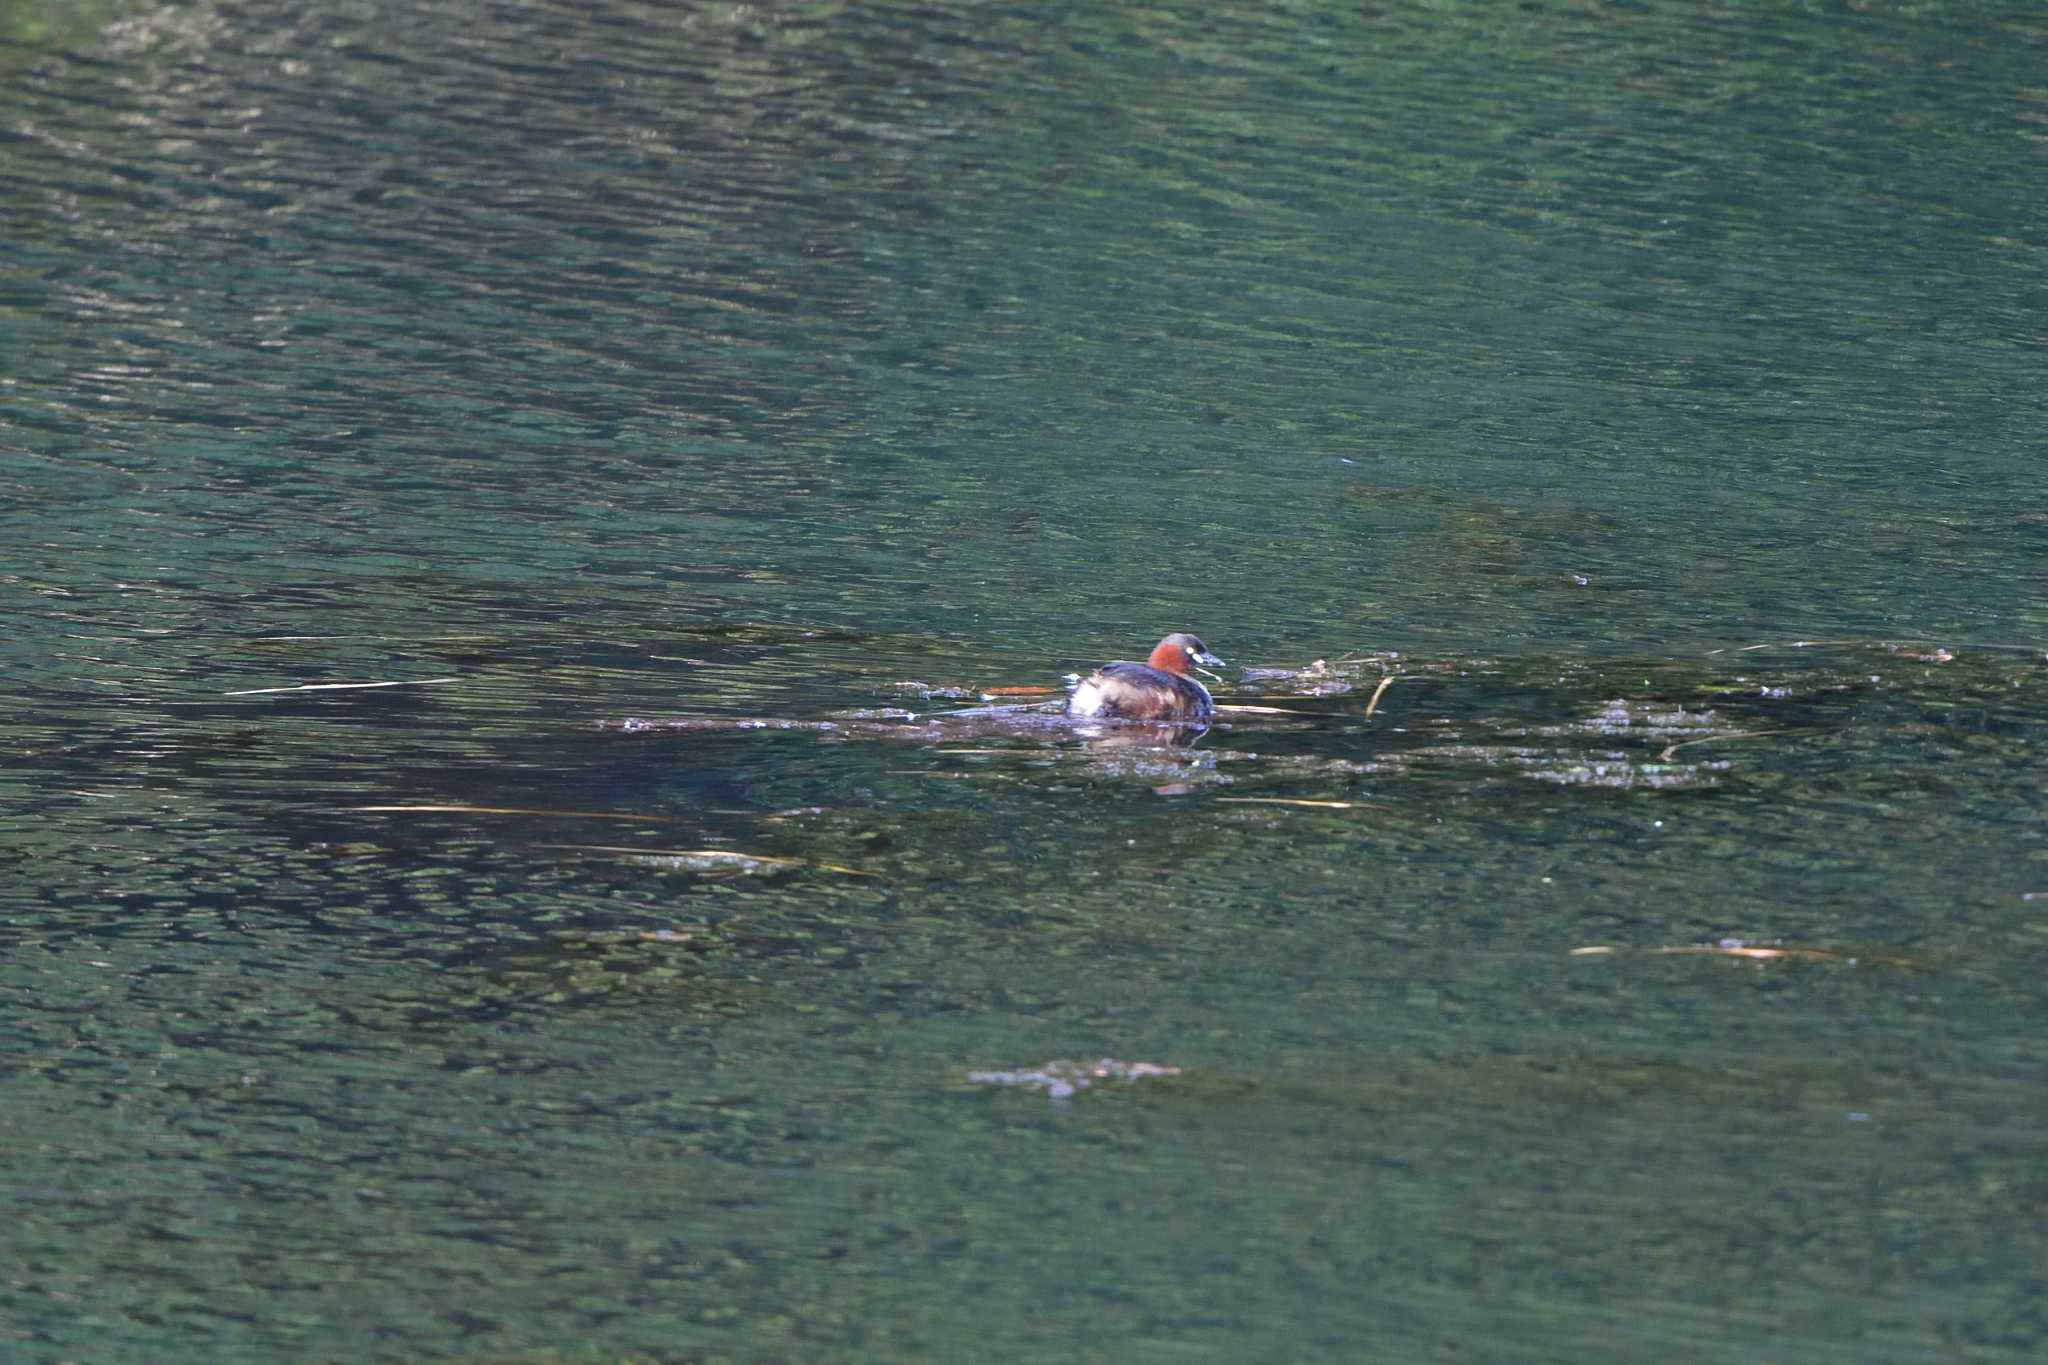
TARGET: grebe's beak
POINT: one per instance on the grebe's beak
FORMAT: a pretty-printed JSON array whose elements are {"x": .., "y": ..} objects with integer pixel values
[{"x": 1211, "y": 660}]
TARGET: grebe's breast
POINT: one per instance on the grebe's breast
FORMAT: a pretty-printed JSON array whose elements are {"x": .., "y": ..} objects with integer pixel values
[{"x": 1140, "y": 692}]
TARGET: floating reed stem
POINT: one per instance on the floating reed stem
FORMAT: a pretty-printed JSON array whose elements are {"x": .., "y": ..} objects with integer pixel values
[
  {"x": 1664, "y": 754},
  {"x": 506, "y": 810},
  {"x": 1304, "y": 803},
  {"x": 711, "y": 855},
  {"x": 337, "y": 687}
]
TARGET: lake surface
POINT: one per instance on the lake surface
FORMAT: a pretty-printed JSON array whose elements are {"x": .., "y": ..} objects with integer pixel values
[{"x": 689, "y": 408}]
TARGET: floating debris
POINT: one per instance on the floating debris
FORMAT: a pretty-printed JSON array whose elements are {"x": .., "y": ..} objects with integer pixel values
[
  {"x": 1379, "y": 692},
  {"x": 1922, "y": 654},
  {"x": 1306, "y": 804},
  {"x": 689, "y": 936},
  {"x": 930, "y": 690},
  {"x": 338, "y": 687},
  {"x": 1318, "y": 679},
  {"x": 707, "y": 859},
  {"x": 1060, "y": 1080},
  {"x": 1753, "y": 952},
  {"x": 1664, "y": 754},
  {"x": 504, "y": 810},
  {"x": 634, "y": 725}
]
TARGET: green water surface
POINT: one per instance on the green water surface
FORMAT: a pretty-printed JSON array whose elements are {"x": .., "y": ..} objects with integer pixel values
[{"x": 688, "y": 404}]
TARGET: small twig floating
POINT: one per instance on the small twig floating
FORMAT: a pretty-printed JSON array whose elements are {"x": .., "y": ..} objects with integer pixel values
[
  {"x": 1795, "y": 644},
  {"x": 711, "y": 855},
  {"x": 1751, "y": 952},
  {"x": 372, "y": 639},
  {"x": 506, "y": 810},
  {"x": 1936, "y": 654},
  {"x": 1664, "y": 754},
  {"x": 1379, "y": 692},
  {"x": 338, "y": 687},
  {"x": 1240, "y": 709},
  {"x": 1311, "y": 805}
]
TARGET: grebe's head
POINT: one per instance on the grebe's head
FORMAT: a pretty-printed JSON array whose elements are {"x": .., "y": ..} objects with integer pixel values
[{"x": 1180, "y": 651}]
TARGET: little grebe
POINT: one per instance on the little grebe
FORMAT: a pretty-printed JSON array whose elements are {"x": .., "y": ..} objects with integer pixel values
[{"x": 1158, "y": 689}]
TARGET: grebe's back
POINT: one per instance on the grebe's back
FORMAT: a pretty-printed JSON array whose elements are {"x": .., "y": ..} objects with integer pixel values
[{"x": 1157, "y": 690}]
